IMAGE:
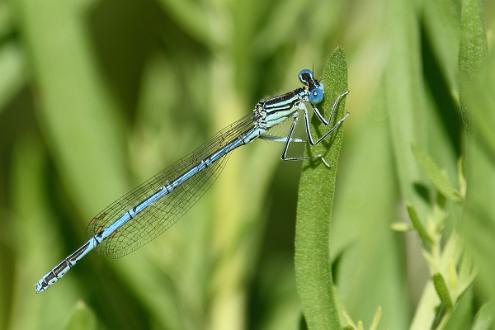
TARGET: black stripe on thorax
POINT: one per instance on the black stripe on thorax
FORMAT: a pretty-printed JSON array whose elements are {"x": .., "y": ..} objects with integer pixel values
[{"x": 282, "y": 102}]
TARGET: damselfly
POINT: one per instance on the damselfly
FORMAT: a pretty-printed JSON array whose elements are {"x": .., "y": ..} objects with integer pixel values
[{"x": 154, "y": 206}]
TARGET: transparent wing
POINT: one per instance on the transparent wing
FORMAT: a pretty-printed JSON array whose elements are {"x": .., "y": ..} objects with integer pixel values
[{"x": 160, "y": 216}]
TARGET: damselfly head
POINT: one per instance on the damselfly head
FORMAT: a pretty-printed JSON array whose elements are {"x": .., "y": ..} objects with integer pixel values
[{"x": 314, "y": 87}]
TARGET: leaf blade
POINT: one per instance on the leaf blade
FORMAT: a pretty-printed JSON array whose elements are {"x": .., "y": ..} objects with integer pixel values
[{"x": 314, "y": 209}]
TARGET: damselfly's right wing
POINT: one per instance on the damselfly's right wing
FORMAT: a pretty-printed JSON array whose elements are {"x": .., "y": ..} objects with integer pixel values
[{"x": 161, "y": 215}]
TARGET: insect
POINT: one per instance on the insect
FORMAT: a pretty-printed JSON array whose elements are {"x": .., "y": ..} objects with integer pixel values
[{"x": 154, "y": 206}]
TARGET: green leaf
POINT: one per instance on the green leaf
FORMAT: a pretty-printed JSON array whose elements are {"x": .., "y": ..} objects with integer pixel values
[
  {"x": 76, "y": 112},
  {"x": 400, "y": 227},
  {"x": 364, "y": 222},
  {"x": 280, "y": 27},
  {"x": 376, "y": 318},
  {"x": 474, "y": 48},
  {"x": 192, "y": 18},
  {"x": 461, "y": 177},
  {"x": 82, "y": 318},
  {"x": 34, "y": 238},
  {"x": 6, "y": 19},
  {"x": 461, "y": 316},
  {"x": 484, "y": 318},
  {"x": 438, "y": 177},
  {"x": 12, "y": 72},
  {"x": 404, "y": 96},
  {"x": 418, "y": 225},
  {"x": 314, "y": 210},
  {"x": 478, "y": 224},
  {"x": 477, "y": 76},
  {"x": 442, "y": 291},
  {"x": 441, "y": 19}
]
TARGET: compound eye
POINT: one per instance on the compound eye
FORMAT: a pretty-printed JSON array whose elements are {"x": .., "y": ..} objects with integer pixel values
[
  {"x": 315, "y": 95},
  {"x": 305, "y": 76}
]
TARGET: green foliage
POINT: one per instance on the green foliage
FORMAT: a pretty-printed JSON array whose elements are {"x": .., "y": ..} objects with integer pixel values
[
  {"x": 314, "y": 209},
  {"x": 97, "y": 96},
  {"x": 475, "y": 70},
  {"x": 12, "y": 73},
  {"x": 442, "y": 291},
  {"x": 484, "y": 318},
  {"x": 405, "y": 108},
  {"x": 81, "y": 318},
  {"x": 438, "y": 177},
  {"x": 418, "y": 226}
]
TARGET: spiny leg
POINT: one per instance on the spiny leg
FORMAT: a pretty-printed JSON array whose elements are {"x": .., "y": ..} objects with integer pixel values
[
  {"x": 334, "y": 128},
  {"x": 289, "y": 139},
  {"x": 307, "y": 126},
  {"x": 335, "y": 106},
  {"x": 283, "y": 139},
  {"x": 310, "y": 136}
]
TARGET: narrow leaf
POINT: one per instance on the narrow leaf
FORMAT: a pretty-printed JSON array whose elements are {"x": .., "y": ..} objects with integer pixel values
[
  {"x": 192, "y": 18},
  {"x": 442, "y": 290},
  {"x": 76, "y": 112},
  {"x": 280, "y": 27},
  {"x": 437, "y": 176},
  {"x": 6, "y": 19},
  {"x": 484, "y": 318},
  {"x": 404, "y": 99},
  {"x": 441, "y": 19},
  {"x": 82, "y": 318},
  {"x": 12, "y": 72},
  {"x": 461, "y": 316},
  {"x": 376, "y": 318},
  {"x": 364, "y": 222},
  {"x": 314, "y": 210},
  {"x": 418, "y": 225},
  {"x": 478, "y": 225},
  {"x": 400, "y": 227}
]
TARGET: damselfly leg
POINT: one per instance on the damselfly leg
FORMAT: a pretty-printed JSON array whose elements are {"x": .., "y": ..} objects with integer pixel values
[
  {"x": 335, "y": 106},
  {"x": 289, "y": 138},
  {"x": 310, "y": 139}
]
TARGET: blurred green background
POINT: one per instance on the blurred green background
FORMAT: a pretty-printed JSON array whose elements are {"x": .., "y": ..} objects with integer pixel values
[{"x": 97, "y": 96}]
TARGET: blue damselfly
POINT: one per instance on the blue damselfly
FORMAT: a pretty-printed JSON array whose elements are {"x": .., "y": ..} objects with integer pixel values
[{"x": 154, "y": 206}]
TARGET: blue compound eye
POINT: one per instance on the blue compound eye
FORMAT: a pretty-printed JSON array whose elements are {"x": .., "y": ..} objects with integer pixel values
[
  {"x": 315, "y": 95},
  {"x": 306, "y": 76}
]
